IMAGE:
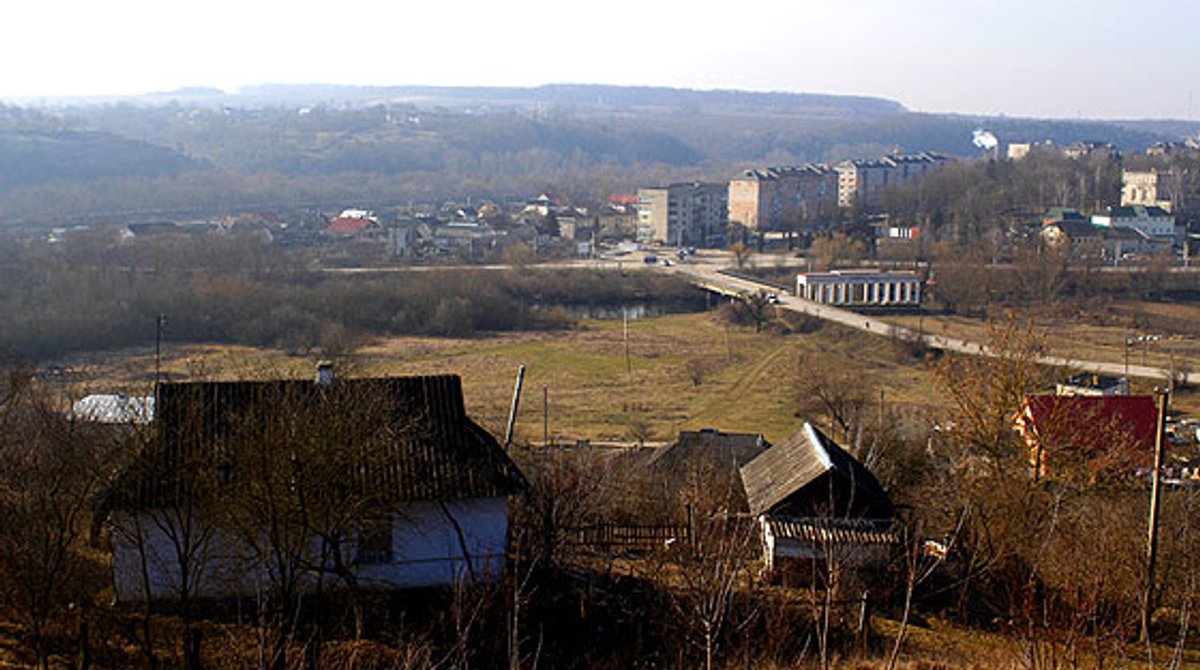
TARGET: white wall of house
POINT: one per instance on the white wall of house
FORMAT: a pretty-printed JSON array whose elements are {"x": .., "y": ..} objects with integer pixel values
[
  {"x": 1154, "y": 226},
  {"x": 432, "y": 544}
]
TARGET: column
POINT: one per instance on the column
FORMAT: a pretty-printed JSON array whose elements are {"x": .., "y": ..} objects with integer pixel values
[{"x": 917, "y": 296}]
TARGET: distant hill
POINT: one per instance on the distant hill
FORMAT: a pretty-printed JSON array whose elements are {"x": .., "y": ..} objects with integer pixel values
[
  {"x": 333, "y": 142},
  {"x": 583, "y": 97},
  {"x": 29, "y": 157},
  {"x": 1172, "y": 127}
]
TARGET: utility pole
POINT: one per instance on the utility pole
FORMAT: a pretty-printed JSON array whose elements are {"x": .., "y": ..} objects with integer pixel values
[
  {"x": 625, "y": 329},
  {"x": 1128, "y": 340},
  {"x": 545, "y": 416},
  {"x": 1152, "y": 525},
  {"x": 512, "y": 411},
  {"x": 160, "y": 323}
]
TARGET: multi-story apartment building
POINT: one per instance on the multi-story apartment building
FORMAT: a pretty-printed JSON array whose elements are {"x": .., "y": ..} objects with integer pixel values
[
  {"x": 860, "y": 180},
  {"x": 1149, "y": 188},
  {"x": 688, "y": 214},
  {"x": 780, "y": 198},
  {"x": 911, "y": 166}
]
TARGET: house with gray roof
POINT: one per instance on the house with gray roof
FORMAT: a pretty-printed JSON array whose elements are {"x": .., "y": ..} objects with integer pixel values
[{"x": 814, "y": 501}]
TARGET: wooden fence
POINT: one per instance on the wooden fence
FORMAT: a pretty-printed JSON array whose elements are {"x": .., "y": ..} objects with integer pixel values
[{"x": 628, "y": 537}]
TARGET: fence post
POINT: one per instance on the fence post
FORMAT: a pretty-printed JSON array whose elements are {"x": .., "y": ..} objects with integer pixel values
[
  {"x": 691, "y": 527},
  {"x": 864, "y": 622}
]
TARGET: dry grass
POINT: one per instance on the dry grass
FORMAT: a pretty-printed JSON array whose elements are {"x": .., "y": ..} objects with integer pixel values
[
  {"x": 746, "y": 385},
  {"x": 1099, "y": 337},
  {"x": 1088, "y": 337}
]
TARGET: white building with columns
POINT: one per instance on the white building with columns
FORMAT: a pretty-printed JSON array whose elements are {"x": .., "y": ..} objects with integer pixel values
[{"x": 860, "y": 288}]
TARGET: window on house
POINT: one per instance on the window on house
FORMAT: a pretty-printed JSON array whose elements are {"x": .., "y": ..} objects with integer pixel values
[{"x": 375, "y": 543}]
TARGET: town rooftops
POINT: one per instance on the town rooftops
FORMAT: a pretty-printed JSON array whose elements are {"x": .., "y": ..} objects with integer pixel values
[
  {"x": 862, "y": 273},
  {"x": 346, "y": 225},
  {"x": 1136, "y": 212},
  {"x": 783, "y": 171},
  {"x": 1055, "y": 214},
  {"x": 866, "y": 163},
  {"x": 922, "y": 157}
]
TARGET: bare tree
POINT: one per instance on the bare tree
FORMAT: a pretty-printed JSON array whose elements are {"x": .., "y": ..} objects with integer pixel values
[
  {"x": 51, "y": 471},
  {"x": 709, "y": 570}
]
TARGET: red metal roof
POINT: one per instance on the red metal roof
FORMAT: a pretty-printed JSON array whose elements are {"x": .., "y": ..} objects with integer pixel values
[
  {"x": 1108, "y": 431},
  {"x": 345, "y": 225}
]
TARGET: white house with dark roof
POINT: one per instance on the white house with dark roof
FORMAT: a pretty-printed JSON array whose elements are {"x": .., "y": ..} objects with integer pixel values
[{"x": 412, "y": 492}]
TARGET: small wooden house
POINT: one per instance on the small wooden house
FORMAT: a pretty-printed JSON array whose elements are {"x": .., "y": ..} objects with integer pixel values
[{"x": 814, "y": 501}]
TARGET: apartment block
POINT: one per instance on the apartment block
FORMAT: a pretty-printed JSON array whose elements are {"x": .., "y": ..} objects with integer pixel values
[
  {"x": 781, "y": 198},
  {"x": 859, "y": 181},
  {"x": 687, "y": 214}
]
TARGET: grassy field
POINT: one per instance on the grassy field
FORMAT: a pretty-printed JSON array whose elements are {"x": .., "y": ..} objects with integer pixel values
[
  {"x": 684, "y": 371},
  {"x": 745, "y": 379}
]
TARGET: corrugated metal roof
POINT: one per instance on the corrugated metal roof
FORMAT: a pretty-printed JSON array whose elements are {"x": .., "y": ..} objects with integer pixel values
[
  {"x": 820, "y": 530},
  {"x": 122, "y": 409},
  {"x": 722, "y": 450},
  {"x": 415, "y": 442},
  {"x": 799, "y": 460}
]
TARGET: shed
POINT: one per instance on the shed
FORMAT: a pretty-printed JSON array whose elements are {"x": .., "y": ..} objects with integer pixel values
[{"x": 814, "y": 500}]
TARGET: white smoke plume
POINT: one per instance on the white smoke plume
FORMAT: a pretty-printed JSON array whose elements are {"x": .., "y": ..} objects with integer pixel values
[{"x": 984, "y": 139}]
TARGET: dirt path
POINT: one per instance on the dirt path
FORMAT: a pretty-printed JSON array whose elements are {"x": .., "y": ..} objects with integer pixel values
[{"x": 742, "y": 384}]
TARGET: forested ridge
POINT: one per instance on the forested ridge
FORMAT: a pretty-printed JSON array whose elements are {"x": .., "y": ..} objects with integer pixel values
[{"x": 288, "y": 146}]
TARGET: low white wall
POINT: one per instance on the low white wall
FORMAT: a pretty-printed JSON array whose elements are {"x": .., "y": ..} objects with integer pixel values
[{"x": 432, "y": 545}]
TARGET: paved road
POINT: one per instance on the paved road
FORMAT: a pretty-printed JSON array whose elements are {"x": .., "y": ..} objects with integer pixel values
[
  {"x": 704, "y": 269},
  {"x": 709, "y": 275}
]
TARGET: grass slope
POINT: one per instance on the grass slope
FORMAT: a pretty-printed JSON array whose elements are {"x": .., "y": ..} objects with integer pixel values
[{"x": 746, "y": 379}]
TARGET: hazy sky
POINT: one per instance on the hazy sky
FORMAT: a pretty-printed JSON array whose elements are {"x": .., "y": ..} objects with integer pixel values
[{"x": 1062, "y": 58}]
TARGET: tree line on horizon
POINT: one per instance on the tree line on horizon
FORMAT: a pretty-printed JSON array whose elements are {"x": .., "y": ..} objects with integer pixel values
[{"x": 66, "y": 163}]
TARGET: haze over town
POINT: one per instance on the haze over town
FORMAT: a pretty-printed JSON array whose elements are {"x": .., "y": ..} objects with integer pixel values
[{"x": 1102, "y": 59}]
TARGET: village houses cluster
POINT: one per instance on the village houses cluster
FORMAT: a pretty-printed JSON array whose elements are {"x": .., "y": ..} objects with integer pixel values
[{"x": 426, "y": 501}]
